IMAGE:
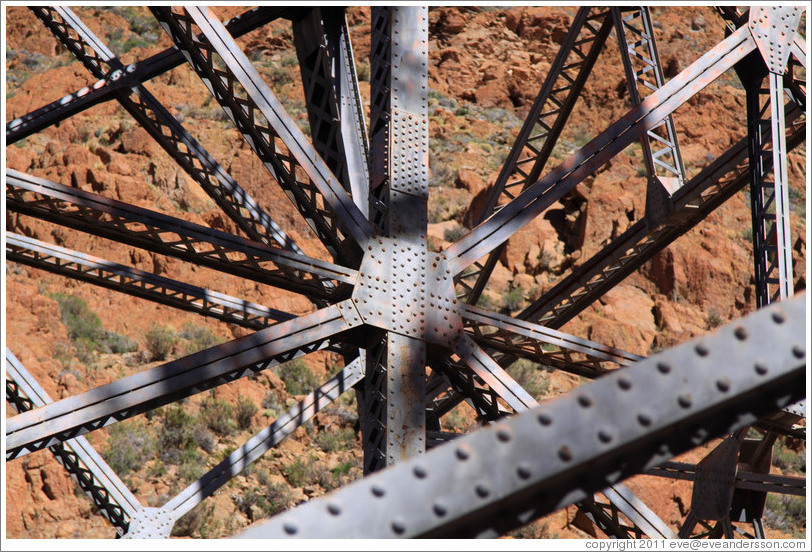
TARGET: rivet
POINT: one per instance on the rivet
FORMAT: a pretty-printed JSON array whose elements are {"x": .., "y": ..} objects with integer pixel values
[
  {"x": 398, "y": 526},
  {"x": 419, "y": 472},
  {"x": 644, "y": 419},
  {"x": 334, "y": 508},
  {"x": 663, "y": 367},
  {"x": 482, "y": 490},
  {"x": 545, "y": 419},
  {"x": 761, "y": 370},
  {"x": 463, "y": 453},
  {"x": 798, "y": 351},
  {"x": 585, "y": 401},
  {"x": 701, "y": 349},
  {"x": 378, "y": 491},
  {"x": 604, "y": 436},
  {"x": 624, "y": 383},
  {"x": 290, "y": 528},
  {"x": 565, "y": 453},
  {"x": 523, "y": 471},
  {"x": 685, "y": 401},
  {"x": 778, "y": 317},
  {"x": 503, "y": 435},
  {"x": 439, "y": 509},
  {"x": 723, "y": 384},
  {"x": 740, "y": 333}
]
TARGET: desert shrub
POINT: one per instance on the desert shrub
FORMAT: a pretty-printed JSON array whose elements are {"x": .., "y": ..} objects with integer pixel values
[
  {"x": 205, "y": 439},
  {"x": 118, "y": 344},
  {"x": 218, "y": 415},
  {"x": 197, "y": 338},
  {"x": 160, "y": 340},
  {"x": 362, "y": 71},
  {"x": 336, "y": 440},
  {"x": 245, "y": 413},
  {"x": 512, "y": 299},
  {"x": 454, "y": 233},
  {"x": 200, "y": 522},
  {"x": 787, "y": 459},
  {"x": 191, "y": 464},
  {"x": 130, "y": 444},
  {"x": 298, "y": 378},
  {"x": 297, "y": 473},
  {"x": 786, "y": 513},
  {"x": 265, "y": 501},
  {"x": 530, "y": 377},
  {"x": 82, "y": 323},
  {"x": 177, "y": 432}
]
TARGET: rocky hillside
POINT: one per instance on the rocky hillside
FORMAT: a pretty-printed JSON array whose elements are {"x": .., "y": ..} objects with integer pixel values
[{"x": 487, "y": 65}]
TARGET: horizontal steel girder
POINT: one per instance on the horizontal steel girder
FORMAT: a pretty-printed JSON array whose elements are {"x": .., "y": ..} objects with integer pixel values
[
  {"x": 108, "y": 493},
  {"x": 763, "y": 482},
  {"x": 175, "y": 380},
  {"x": 508, "y": 474},
  {"x": 138, "y": 283},
  {"x": 138, "y": 72},
  {"x": 167, "y": 235},
  {"x": 585, "y": 161}
]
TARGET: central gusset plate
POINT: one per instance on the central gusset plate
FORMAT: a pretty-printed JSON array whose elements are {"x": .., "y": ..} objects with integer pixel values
[{"x": 405, "y": 289}]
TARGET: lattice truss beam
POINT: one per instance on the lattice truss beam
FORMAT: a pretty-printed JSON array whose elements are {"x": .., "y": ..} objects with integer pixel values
[{"x": 403, "y": 317}]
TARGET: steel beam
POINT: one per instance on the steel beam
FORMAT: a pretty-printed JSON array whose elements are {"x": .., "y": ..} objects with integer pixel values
[
  {"x": 167, "y": 235},
  {"x": 108, "y": 493},
  {"x": 333, "y": 99},
  {"x": 138, "y": 72},
  {"x": 542, "y": 127},
  {"x": 538, "y": 197},
  {"x": 763, "y": 482},
  {"x": 138, "y": 283},
  {"x": 499, "y": 477},
  {"x": 158, "y": 522},
  {"x": 281, "y": 146},
  {"x": 165, "y": 129},
  {"x": 175, "y": 380},
  {"x": 522, "y": 339}
]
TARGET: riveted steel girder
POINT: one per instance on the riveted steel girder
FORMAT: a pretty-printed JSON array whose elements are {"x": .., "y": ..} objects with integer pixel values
[
  {"x": 167, "y": 235},
  {"x": 138, "y": 283},
  {"x": 518, "y": 469}
]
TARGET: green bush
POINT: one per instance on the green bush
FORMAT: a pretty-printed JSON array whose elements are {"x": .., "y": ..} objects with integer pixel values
[
  {"x": 265, "y": 501},
  {"x": 786, "y": 513},
  {"x": 177, "y": 432},
  {"x": 160, "y": 340},
  {"x": 245, "y": 413},
  {"x": 298, "y": 378},
  {"x": 198, "y": 522},
  {"x": 129, "y": 446},
  {"x": 454, "y": 233},
  {"x": 218, "y": 415},
  {"x": 81, "y": 322},
  {"x": 530, "y": 377},
  {"x": 513, "y": 299},
  {"x": 191, "y": 465},
  {"x": 336, "y": 440},
  {"x": 118, "y": 344},
  {"x": 197, "y": 338},
  {"x": 297, "y": 473}
]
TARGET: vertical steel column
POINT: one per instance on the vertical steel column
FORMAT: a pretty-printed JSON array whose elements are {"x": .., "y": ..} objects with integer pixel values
[
  {"x": 333, "y": 99},
  {"x": 773, "y": 30},
  {"x": 400, "y": 168}
]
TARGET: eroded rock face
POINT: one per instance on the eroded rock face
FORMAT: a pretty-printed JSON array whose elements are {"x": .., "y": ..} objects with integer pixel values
[{"x": 486, "y": 67}]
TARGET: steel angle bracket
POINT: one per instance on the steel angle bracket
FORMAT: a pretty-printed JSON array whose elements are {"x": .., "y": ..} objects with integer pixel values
[{"x": 508, "y": 474}]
